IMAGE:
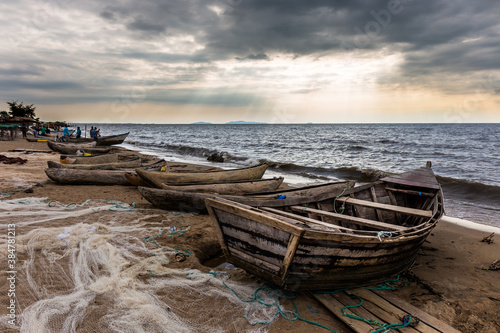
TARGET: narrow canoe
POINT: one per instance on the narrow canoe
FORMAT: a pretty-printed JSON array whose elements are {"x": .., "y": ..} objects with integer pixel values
[
  {"x": 238, "y": 188},
  {"x": 157, "y": 178},
  {"x": 359, "y": 237},
  {"x": 69, "y": 148},
  {"x": 195, "y": 201},
  {"x": 87, "y": 177},
  {"x": 137, "y": 180},
  {"x": 111, "y": 139},
  {"x": 106, "y": 166},
  {"x": 99, "y": 159}
]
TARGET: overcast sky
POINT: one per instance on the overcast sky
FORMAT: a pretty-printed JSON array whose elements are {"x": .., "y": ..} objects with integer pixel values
[{"x": 182, "y": 61}]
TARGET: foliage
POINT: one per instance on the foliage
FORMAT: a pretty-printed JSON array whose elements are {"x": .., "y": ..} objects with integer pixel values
[
  {"x": 20, "y": 110},
  {"x": 4, "y": 114}
]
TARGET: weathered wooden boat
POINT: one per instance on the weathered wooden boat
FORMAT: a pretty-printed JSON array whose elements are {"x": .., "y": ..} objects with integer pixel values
[
  {"x": 99, "y": 159},
  {"x": 239, "y": 188},
  {"x": 69, "y": 148},
  {"x": 195, "y": 201},
  {"x": 157, "y": 178},
  {"x": 362, "y": 236},
  {"x": 111, "y": 139},
  {"x": 137, "y": 180},
  {"x": 108, "y": 166},
  {"x": 87, "y": 177}
]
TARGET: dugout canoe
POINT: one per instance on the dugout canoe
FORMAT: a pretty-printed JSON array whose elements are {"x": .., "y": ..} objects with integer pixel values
[
  {"x": 99, "y": 159},
  {"x": 87, "y": 177},
  {"x": 195, "y": 201},
  {"x": 107, "y": 166},
  {"x": 157, "y": 178},
  {"x": 363, "y": 236},
  {"x": 137, "y": 180},
  {"x": 238, "y": 188},
  {"x": 70, "y": 148},
  {"x": 111, "y": 139},
  {"x": 107, "y": 140}
]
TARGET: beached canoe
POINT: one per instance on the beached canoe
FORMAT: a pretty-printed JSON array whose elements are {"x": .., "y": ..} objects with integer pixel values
[
  {"x": 362, "y": 236},
  {"x": 70, "y": 148},
  {"x": 195, "y": 201},
  {"x": 107, "y": 140},
  {"x": 157, "y": 178},
  {"x": 137, "y": 180},
  {"x": 87, "y": 177},
  {"x": 239, "y": 188},
  {"x": 99, "y": 159},
  {"x": 111, "y": 139},
  {"x": 108, "y": 166}
]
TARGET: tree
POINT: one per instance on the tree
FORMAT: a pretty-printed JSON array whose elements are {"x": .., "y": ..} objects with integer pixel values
[{"x": 20, "y": 110}]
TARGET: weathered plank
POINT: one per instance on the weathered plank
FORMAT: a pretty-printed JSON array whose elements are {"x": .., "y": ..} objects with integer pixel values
[
  {"x": 392, "y": 208},
  {"x": 423, "y": 316},
  {"x": 352, "y": 219}
]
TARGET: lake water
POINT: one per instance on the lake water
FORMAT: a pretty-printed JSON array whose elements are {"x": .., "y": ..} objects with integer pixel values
[{"x": 465, "y": 157}]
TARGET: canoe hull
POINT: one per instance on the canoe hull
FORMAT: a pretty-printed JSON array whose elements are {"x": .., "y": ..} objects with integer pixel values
[
  {"x": 87, "y": 177},
  {"x": 236, "y": 188},
  {"x": 195, "y": 201},
  {"x": 157, "y": 178},
  {"x": 71, "y": 149}
]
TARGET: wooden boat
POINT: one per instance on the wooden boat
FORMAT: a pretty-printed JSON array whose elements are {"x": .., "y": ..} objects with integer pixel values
[
  {"x": 195, "y": 201},
  {"x": 111, "y": 139},
  {"x": 157, "y": 178},
  {"x": 360, "y": 237},
  {"x": 87, "y": 177},
  {"x": 99, "y": 159},
  {"x": 137, "y": 180},
  {"x": 240, "y": 188},
  {"x": 108, "y": 166},
  {"x": 69, "y": 148},
  {"x": 107, "y": 140}
]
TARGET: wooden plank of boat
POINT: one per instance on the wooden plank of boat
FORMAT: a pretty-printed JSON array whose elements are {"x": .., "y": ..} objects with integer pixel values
[
  {"x": 361, "y": 247},
  {"x": 236, "y": 188},
  {"x": 36, "y": 140},
  {"x": 157, "y": 178},
  {"x": 380, "y": 306},
  {"x": 87, "y": 177},
  {"x": 195, "y": 201}
]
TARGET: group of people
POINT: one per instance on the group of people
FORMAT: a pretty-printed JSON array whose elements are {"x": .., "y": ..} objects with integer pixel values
[{"x": 94, "y": 133}]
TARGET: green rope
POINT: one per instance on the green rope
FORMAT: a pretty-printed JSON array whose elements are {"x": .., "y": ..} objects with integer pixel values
[
  {"x": 338, "y": 196},
  {"x": 272, "y": 294}
]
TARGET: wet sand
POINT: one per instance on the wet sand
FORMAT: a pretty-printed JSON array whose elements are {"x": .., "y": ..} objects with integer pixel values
[{"x": 448, "y": 279}]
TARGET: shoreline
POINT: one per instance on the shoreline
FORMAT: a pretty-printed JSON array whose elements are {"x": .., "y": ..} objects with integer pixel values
[{"x": 450, "y": 282}]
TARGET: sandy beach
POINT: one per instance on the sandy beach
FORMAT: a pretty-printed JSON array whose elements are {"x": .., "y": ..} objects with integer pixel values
[{"x": 449, "y": 280}]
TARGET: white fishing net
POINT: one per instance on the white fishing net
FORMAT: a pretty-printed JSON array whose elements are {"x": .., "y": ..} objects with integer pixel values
[{"x": 78, "y": 271}]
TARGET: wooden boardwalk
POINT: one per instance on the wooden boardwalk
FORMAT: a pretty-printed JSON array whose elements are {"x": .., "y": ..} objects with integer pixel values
[{"x": 380, "y": 306}]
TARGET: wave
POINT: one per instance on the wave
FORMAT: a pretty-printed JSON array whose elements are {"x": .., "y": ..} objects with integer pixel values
[{"x": 465, "y": 190}]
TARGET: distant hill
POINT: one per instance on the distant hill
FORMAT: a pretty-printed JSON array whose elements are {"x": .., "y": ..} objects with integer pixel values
[
  {"x": 201, "y": 123},
  {"x": 242, "y": 122}
]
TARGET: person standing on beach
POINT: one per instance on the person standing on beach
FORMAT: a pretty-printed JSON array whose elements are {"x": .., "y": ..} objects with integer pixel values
[
  {"x": 23, "y": 130},
  {"x": 78, "y": 132},
  {"x": 65, "y": 134}
]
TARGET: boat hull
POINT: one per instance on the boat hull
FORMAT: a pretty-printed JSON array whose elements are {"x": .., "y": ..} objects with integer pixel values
[
  {"x": 87, "y": 177},
  {"x": 71, "y": 149},
  {"x": 157, "y": 178},
  {"x": 362, "y": 236}
]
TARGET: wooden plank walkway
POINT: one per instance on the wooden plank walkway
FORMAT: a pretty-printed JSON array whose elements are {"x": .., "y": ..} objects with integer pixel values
[{"x": 380, "y": 306}]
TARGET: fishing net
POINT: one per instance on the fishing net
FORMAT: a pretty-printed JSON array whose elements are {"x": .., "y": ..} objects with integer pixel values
[{"x": 78, "y": 271}]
